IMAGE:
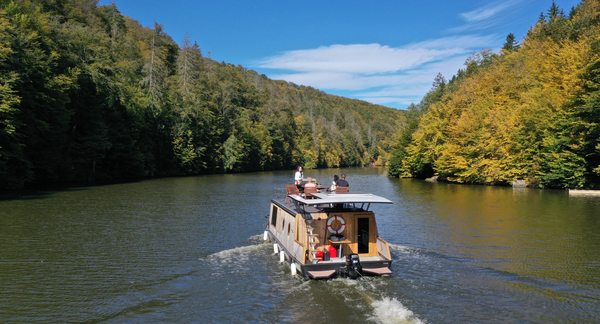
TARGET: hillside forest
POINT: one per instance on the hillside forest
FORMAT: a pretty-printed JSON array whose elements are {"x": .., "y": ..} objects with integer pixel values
[
  {"x": 530, "y": 112},
  {"x": 89, "y": 94}
]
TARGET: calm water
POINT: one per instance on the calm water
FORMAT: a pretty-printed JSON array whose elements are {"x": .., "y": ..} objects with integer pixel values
[{"x": 190, "y": 250}]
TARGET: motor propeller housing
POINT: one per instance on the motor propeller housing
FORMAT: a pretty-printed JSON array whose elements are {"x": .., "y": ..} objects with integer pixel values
[{"x": 353, "y": 267}]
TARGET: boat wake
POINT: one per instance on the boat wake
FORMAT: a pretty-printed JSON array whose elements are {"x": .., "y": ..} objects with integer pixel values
[
  {"x": 256, "y": 244},
  {"x": 370, "y": 299},
  {"x": 385, "y": 309},
  {"x": 366, "y": 300},
  {"x": 401, "y": 248},
  {"x": 390, "y": 310}
]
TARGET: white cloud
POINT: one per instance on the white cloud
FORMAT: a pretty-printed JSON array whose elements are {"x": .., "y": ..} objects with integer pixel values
[
  {"x": 463, "y": 42},
  {"x": 485, "y": 17},
  {"x": 488, "y": 11},
  {"x": 358, "y": 58},
  {"x": 376, "y": 73},
  {"x": 393, "y": 101},
  {"x": 348, "y": 81},
  {"x": 415, "y": 90}
]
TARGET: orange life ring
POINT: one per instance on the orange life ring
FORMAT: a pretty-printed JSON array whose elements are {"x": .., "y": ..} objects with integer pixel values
[{"x": 330, "y": 221}]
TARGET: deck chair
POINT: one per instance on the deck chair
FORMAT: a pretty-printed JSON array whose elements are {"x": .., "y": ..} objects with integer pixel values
[
  {"x": 308, "y": 191},
  {"x": 291, "y": 190},
  {"x": 341, "y": 189}
]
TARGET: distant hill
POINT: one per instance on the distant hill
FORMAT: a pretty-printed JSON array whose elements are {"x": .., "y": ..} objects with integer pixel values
[{"x": 87, "y": 93}]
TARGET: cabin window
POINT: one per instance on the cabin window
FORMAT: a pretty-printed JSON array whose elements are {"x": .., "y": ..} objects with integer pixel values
[
  {"x": 274, "y": 217},
  {"x": 289, "y": 229},
  {"x": 283, "y": 224}
]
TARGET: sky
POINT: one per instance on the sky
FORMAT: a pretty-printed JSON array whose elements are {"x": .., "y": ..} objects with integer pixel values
[{"x": 381, "y": 51}]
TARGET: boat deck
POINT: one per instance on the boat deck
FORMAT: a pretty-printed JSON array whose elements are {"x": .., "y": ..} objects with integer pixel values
[
  {"x": 291, "y": 208},
  {"x": 312, "y": 209},
  {"x": 362, "y": 259}
]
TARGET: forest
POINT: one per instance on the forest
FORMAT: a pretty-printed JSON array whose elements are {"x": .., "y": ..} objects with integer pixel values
[
  {"x": 89, "y": 94},
  {"x": 530, "y": 112}
]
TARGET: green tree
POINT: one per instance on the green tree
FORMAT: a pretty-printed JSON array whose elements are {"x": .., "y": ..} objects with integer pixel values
[
  {"x": 14, "y": 168},
  {"x": 87, "y": 93},
  {"x": 511, "y": 43}
]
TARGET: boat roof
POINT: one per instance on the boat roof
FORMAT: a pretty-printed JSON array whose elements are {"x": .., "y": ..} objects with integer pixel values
[{"x": 342, "y": 198}]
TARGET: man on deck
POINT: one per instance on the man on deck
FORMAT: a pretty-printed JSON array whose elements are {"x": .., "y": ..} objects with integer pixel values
[{"x": 342, "y": 182}]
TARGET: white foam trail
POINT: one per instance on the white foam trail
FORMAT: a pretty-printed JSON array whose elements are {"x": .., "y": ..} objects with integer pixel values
[
  {"x": 257, "y": 244},
  {"x": 400, "y": 248},
  {"x": 243, "y": 250},
  {"x": 384, "y": 310},
  {"x": 390, "y": 310},
  {"x": 257, "y": 237},
  {"x": 303, "y": 286}
]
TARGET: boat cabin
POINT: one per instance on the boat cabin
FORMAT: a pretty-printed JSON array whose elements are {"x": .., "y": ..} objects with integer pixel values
[{"x": 325, "y": 235}]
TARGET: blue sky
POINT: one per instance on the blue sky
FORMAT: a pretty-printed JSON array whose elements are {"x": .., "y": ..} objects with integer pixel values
[{"x": 381, "y": 51}]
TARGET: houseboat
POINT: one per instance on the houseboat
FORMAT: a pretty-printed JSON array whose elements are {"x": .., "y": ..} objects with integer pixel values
[{"x": 332, "y": 235}]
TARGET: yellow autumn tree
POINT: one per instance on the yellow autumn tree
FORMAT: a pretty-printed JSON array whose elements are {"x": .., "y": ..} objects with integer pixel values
[{"x": 492, "y": 128}]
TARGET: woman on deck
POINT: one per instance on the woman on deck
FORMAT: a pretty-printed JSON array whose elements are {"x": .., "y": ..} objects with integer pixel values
[
  {"x": 334, "y": 184},
  {"x": 299, "y": 177}
]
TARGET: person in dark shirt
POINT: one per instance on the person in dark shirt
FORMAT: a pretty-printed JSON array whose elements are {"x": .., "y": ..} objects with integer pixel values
[{"x": 342, "y": 182}]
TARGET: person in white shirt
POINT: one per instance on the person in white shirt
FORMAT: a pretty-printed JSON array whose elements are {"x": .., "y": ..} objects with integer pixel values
[
  {"x": 334, "y": 184},
  {"x": 299, "y": 177}
]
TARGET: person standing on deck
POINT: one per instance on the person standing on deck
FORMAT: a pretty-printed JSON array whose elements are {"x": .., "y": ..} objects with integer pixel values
[
  {"x": 299, "y": 177},
  {"x": 342, "y": 182}
]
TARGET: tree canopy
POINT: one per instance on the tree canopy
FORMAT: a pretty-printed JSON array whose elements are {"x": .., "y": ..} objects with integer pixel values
[
  {"x": 87, "y": 93},
  {"x": 530, "y": 113}
]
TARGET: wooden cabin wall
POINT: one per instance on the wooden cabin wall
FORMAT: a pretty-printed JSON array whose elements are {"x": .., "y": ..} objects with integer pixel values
[
  {"x": 383, "y": 248},
  {"x": 373, "y": 234},
  {"x": 350, "y": 233},
  {"x": 285, "y": 232},
  {"x": 297, "y": 241},
  {"x": 301, "y": 231},
  {"x": 351, "y": 230},
  {"x": 320, "y": 228}
]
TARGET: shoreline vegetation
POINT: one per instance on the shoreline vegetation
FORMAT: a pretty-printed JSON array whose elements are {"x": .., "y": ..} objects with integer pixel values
[
  {"x": 87, "y": 94},
  {"x": 530, "y": 113}
]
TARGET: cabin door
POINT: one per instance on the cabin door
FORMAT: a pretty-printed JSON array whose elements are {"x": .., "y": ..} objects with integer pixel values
[{"x": 362, "y": 234}]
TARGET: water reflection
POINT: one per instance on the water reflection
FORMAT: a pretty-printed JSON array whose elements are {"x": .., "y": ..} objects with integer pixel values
[{"x": 543, "y": 235}]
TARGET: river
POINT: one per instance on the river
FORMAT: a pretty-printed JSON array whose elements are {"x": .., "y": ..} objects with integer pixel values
[{"x": 190, "y": 250}]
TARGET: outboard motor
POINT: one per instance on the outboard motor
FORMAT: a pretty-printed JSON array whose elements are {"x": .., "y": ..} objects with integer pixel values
[{"x": 353, "y": 266}]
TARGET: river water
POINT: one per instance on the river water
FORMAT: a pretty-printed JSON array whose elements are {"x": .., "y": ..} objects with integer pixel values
[{"x": 190, "y": 250}]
